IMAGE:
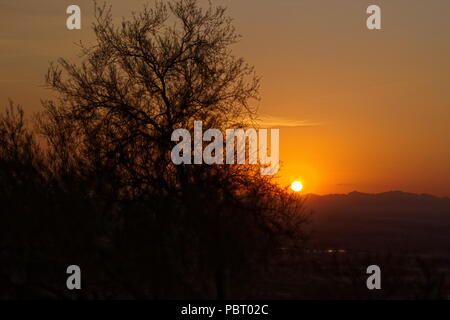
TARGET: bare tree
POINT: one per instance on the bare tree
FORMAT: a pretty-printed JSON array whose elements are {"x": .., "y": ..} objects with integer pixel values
[
  {"x": 159, "y": 71},
  {"x": 154, "y": 229}
]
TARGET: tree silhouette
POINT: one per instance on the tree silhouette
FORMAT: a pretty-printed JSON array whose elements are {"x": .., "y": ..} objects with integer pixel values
[{"x": 111, "y": 199}]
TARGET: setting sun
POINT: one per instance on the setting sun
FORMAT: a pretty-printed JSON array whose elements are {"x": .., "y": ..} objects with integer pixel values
[{"x": 297, "y": 186}]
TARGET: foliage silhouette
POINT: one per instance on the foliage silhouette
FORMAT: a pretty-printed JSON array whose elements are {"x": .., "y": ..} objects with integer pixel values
[{"x": 99, "y": 189}]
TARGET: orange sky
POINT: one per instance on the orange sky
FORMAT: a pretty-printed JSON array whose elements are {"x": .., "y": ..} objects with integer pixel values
[{"x": 361, "y": 110}]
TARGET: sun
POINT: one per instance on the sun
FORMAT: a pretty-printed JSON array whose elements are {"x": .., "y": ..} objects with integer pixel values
[{"x": 297, "y": 186}]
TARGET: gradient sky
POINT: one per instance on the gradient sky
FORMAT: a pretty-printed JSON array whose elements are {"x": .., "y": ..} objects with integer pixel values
[{"x": 360, "y": 110}]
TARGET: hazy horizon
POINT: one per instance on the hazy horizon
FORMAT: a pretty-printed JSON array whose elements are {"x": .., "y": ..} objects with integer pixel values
[{"x": 375, "y": 193}]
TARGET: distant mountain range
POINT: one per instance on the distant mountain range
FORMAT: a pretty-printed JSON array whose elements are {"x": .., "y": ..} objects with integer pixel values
[{"x": 390, "y": 221}]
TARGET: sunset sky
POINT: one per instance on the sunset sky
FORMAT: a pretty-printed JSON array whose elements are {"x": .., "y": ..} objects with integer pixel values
[{"x": 357, "y": 109}]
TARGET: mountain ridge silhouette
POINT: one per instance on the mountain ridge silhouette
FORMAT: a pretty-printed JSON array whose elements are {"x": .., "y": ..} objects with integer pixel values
[{"x": 393, "y": 220}]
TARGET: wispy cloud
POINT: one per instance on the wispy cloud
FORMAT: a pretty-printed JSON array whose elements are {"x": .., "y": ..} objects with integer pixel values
[{"x": 274, "y": 121}]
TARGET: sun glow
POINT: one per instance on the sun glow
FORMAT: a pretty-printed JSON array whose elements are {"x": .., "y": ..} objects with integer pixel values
[{"x": 297, "y": 186}]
